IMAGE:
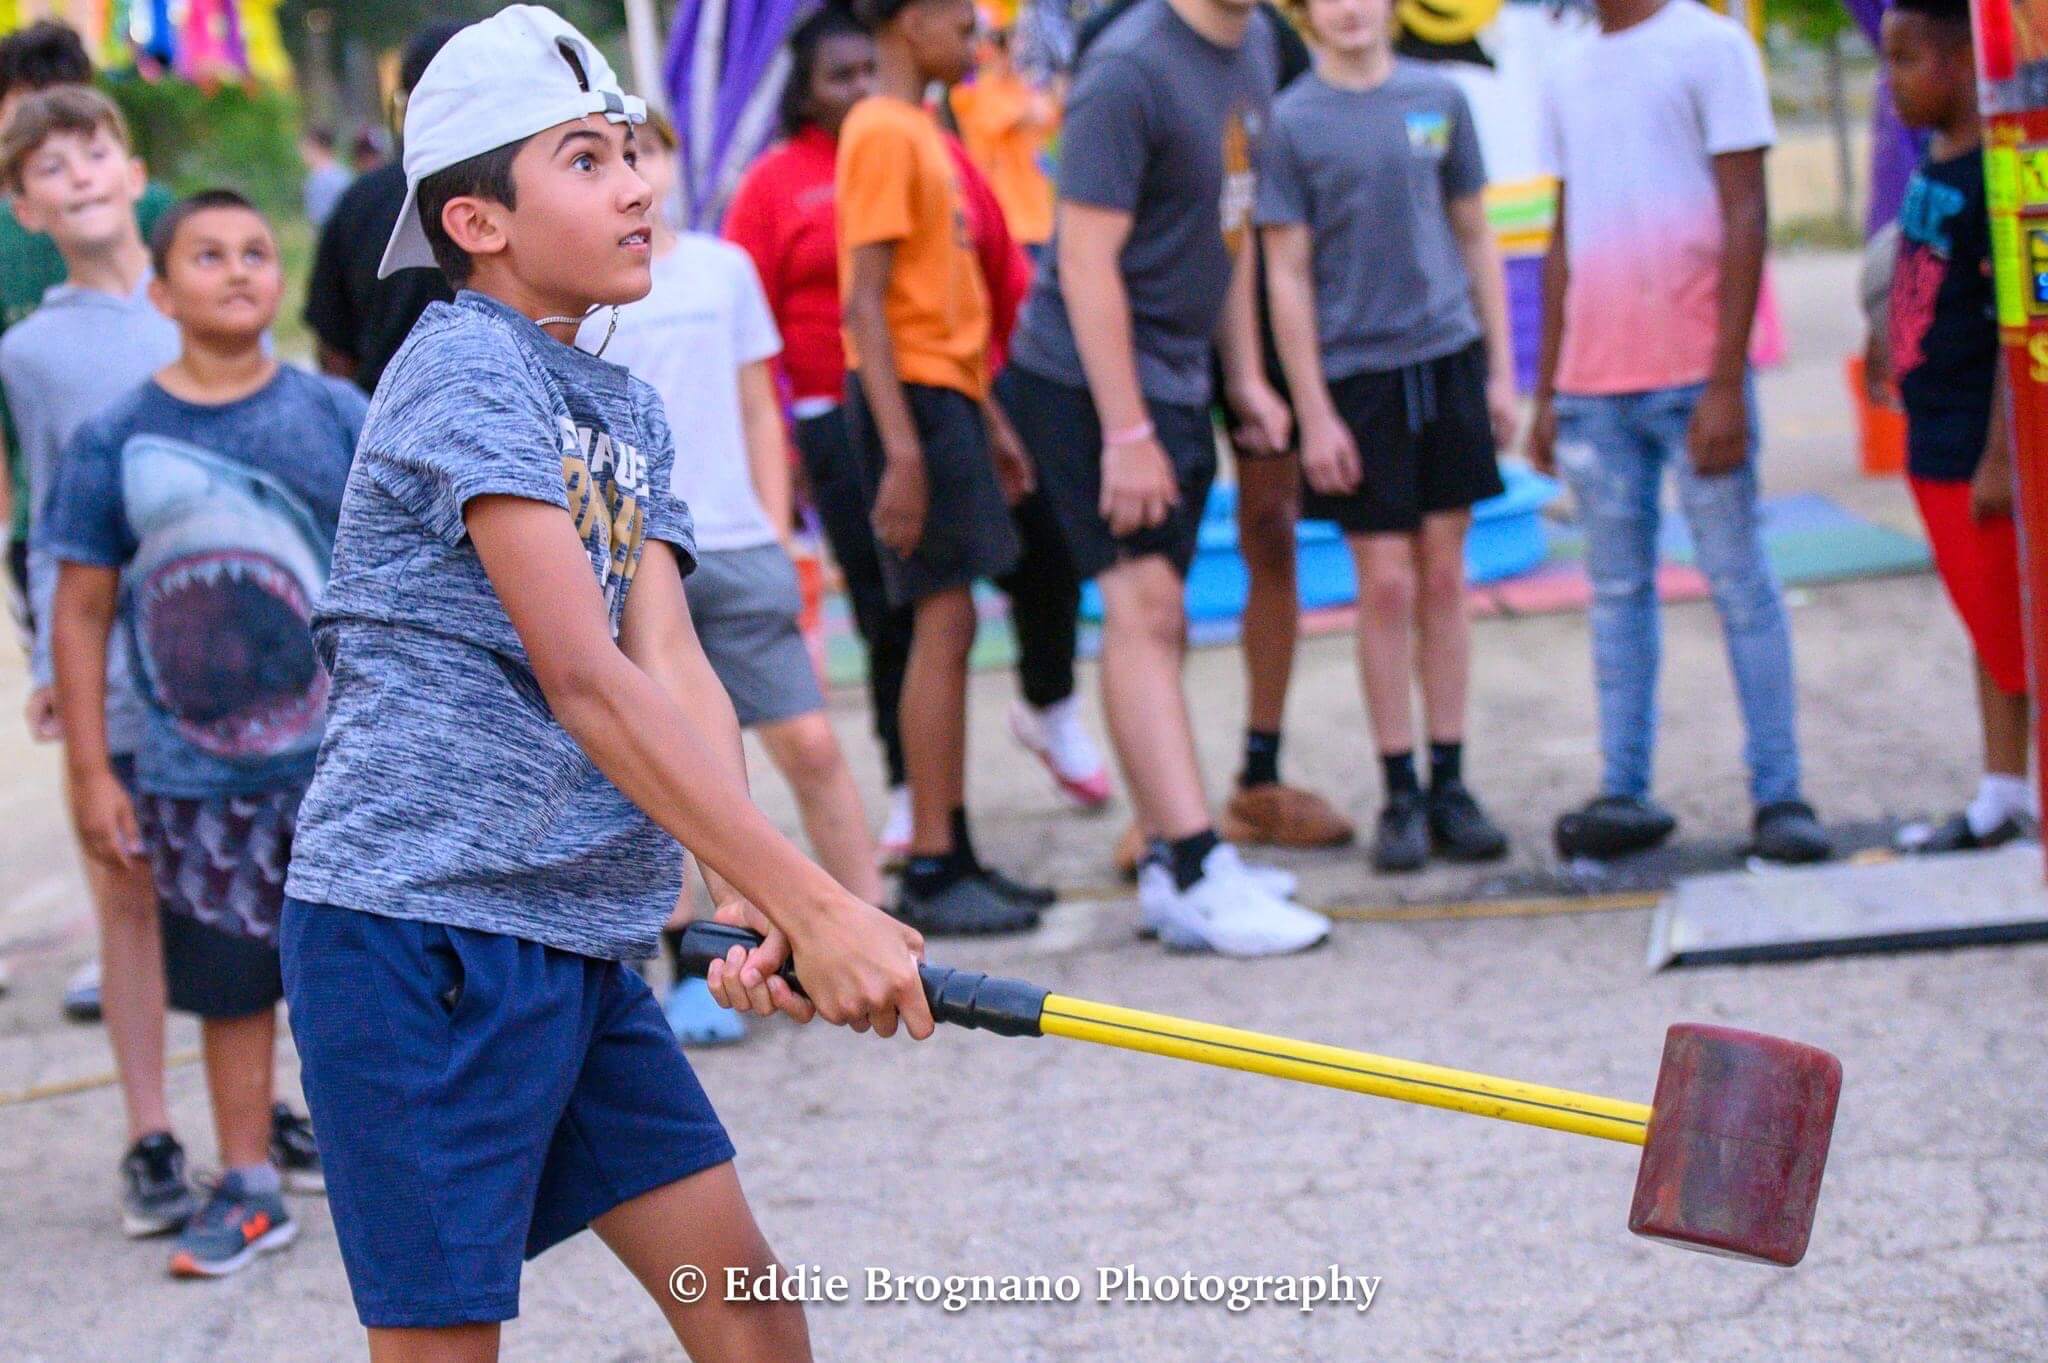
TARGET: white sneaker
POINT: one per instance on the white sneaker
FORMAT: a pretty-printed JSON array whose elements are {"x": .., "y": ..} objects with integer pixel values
[
  {"x": 1057, "y": 737},
  {"x": 894, "y": 842},
  {"x": 1278, "y": 882},
  {"x": 1230, "y": 910},
  {"x": 82, "y": 993}
]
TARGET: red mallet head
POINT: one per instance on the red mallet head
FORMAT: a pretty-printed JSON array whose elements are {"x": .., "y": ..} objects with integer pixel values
[{"x": 1738, "y": 1139}]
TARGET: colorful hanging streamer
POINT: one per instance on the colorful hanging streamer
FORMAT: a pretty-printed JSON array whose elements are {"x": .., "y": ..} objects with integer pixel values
[{"x": 199, "y": 40}]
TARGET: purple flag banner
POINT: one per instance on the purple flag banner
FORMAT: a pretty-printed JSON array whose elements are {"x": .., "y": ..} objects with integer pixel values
[{"x": 725, "y": 71}]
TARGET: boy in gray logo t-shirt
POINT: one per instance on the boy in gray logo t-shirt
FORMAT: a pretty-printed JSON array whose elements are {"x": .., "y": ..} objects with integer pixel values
[
  {"x": 1390, "y": 311},
  {"x": 522, "y": 729}
]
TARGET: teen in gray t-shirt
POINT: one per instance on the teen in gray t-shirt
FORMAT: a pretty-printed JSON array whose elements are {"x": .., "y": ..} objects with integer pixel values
[
  {"x": 67, "y": 362},
  {"x": 1165, "y": 125},
  {"x": 446, "y": 790},
  {"x": 1378, "y": 166}
]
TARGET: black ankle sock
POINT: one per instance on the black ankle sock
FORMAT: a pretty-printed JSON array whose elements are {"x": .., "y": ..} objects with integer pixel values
[
  {"x": 1446, "y": 765},
  {"x": 924, "y": 876},
  {"x": 1184, "y": 856},
  {"x": 1261, "y": 758},
  {"x": 964, "y": 858},
  {"x": 1398, "y": 770},
  {"x": 672, "y": 947}
]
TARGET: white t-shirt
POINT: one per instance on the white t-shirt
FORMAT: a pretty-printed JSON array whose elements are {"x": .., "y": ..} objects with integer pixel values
[
  {"x": 1631, "y": 124},
  {"x": 704, "y": 319}
]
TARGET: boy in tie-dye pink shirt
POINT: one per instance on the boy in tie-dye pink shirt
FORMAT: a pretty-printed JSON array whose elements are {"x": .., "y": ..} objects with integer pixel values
[{"x": 1656, "y": 129}]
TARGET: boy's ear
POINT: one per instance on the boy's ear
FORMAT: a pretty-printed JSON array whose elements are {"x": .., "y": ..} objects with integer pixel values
[
  {"x": 159, "y": 294},
  {"x": 476, "y": 225},
  {"x": 26, "y": 211},
  {"x": 138, "y": 177}
]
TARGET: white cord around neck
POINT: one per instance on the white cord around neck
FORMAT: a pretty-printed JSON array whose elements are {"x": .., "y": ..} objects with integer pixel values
[{"x": 609, "y": 331}]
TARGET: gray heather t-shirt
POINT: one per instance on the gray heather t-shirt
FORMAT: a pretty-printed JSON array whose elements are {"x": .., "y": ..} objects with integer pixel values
[
  {"x": 68, "y": 361},
  {"x": 446, "y": 791},
  {"x": 1370, "y": 172},
  {"x": 1163, "y": 125}
]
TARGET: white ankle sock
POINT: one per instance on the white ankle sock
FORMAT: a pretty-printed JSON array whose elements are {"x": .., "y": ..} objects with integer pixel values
[
  {"x": 1999, "y": 798},
  {"x": 257, "y": 1179}
]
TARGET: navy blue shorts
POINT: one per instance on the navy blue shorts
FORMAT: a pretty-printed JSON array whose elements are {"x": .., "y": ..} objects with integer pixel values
[{"x": 478, "y": 1098}]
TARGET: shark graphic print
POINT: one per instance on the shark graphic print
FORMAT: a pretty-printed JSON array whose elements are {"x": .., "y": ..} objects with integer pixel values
[{"x": 229, "y": 562}]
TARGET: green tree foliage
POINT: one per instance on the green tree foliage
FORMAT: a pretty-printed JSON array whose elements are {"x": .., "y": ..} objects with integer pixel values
[
  {"x": 387, "y": 23},
  {"x": 1809, "y": 21},
  {"x": 193, "y": 138}
]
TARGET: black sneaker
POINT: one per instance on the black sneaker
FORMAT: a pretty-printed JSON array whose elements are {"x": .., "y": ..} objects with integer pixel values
[
  {"x": 1401, "y": 843},
  {"x": 1035, "y": 896},
  {"x": 969, "y": 907},
  {"x": 1613, "y": 826},
  {"x": 1954, "y": 834},
  {"x": 1788, "y": 832},
  {"x": 294, "y": 1151},
  {"x": 155, "y": 1198},
  {"x": 1459, "y": 829}
]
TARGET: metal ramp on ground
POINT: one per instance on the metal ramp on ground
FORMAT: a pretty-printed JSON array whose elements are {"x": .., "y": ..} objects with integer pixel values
[{"x": 1897, "y": 904}]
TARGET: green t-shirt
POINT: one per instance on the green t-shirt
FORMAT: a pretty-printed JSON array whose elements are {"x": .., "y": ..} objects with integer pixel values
[{"x": 29, "y": 267}]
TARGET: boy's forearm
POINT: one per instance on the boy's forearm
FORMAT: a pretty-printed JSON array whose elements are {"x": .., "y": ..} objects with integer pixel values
[
  {"x": 1556, "y": 275},
  {"x": 1290, "y": 291},
  {"x": 682, "y": 774},
  {"x": 1101, "y": 322},
  {"x": 82, "y": 618},
  {"x": 767, "y": 444},
  {"x": 1237, "y": 332},
  {"x": 880, "y": 385},
  {"x": 42, "y": 607},
  {"x": 683, "y": 672},
  {"x": 1998, "y": 451},
  {"x": 1745, "y": 235},
  {"x": 1489, "y": 285}
]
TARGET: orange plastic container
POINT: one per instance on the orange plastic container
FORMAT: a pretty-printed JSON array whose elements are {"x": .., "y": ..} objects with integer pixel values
[
  {"x": 1880, "y": 431},
  {"x": 810, "y": 620}
]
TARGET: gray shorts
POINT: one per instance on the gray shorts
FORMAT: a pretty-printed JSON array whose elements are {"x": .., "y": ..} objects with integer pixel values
[{"x": 745, "y": 603}]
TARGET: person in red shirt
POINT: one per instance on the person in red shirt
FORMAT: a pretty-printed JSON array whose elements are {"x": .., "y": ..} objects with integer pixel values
[{"x": 783, "y": 216}]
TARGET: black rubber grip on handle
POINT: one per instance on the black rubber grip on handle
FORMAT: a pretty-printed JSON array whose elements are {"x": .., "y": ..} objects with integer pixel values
[{"x": 965, "y": 998}]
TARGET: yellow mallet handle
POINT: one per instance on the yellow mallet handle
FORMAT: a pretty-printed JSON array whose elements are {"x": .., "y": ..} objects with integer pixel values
[
  {"x": 1382, "y": 1076},
  {"x": 1007, "y": 1007}
]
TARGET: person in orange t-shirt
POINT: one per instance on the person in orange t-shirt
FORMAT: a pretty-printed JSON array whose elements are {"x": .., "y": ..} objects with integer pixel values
[
  {"x": 944, "y": 462},
  {"x": 1005, "y": 124}
]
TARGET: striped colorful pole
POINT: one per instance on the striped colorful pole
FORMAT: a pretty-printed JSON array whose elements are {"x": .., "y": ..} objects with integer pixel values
[{"x": 2012, "y": 70}]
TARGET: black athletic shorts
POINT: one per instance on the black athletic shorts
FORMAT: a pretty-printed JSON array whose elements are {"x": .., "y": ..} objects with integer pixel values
[
  {"x": 1424, "y": 439},
  {"x": 968, "y": 533},
  {"x": 219, "y": 866},
  {"x": 1061, "y": 432}
]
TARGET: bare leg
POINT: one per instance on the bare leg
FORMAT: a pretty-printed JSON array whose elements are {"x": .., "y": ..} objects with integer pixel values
[
  {"x": 456, "y": 1344},
  {"x": 703, "y": 1220},
  {"x": 1268, "y": 504},
  {"x": 934, "y": 717},
  {"x": 806, "y": 752},
  {"x": 1386, "y": 625},
  {"x": 2007, "y": 724},
  {"x": 241, "y": 1060},
  {"x": 1144, "y": 639},
  {"x": 1446, "y": 632},
  {"x": 132, "y": 990}
]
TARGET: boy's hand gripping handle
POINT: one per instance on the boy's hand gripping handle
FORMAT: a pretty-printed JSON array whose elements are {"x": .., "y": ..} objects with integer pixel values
[{"x": 965, "y": 998}]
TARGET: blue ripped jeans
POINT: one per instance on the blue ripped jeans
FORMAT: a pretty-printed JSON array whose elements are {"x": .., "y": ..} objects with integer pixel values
[{"x": 1613, "y": 451}]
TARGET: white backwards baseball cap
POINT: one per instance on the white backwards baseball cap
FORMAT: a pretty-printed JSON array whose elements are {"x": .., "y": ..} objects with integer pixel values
[{"x": 496, "y": 82}]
